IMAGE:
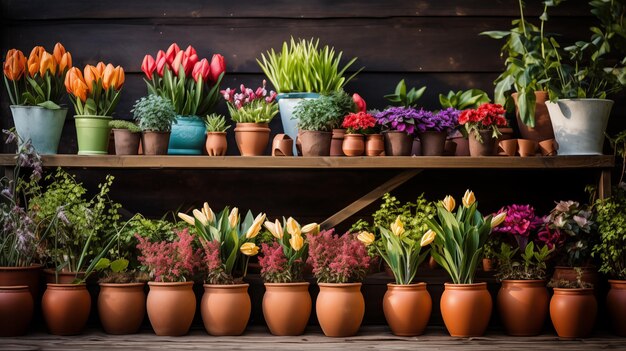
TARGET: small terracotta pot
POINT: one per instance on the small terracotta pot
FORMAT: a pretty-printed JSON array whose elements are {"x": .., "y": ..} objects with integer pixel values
[
  {"x": 462, "y": 144},
  {"x": 432, "y": 264},
  {"x": 397, "y": 143},
  {"x": 549, "y": 147},
  {"x": 616, "y": 304},
  {"x": 433, "y": 143},
  {"x": 171, "y": 307},
  {"x": 64, "y": 277},
  {"x": 450, "y": 148},
  {"x": 121, "y": 307},
  {"x": 374, "y": 145},
  {"x": 486, "y": 148},
  {"x": 416, "y": 147},
  {"x": 287, "y": 308},
  {"x": 340, "y": 309},
  {"x": 282, "y": 145},
  {"x": 527, "y": 147},
  {"x": 252, "y": 138},
  {"x": 16, "y": 310},
  {"x": 488, "y": 264},
  {"x": 17, "y": 276},
  {"x": 523, "y": 306},
  {"x": 506, "y": 133},
  {"x": 155, "y": 143},
  {"x": 466, "y": 309},
  {"x": 225, "y": 309},
  {"x": 573, "y": 312},
  {"x": 353, "y": 145},
  {"x": 216, "y": 144},
  {"x": 65, "y": 308},
  {"x": 126, "y": 143},
  {"x": 507, "y": 147},
  {"x": 336, "y": 145},
  {"x": 543, "y": 125},
  {"x": 315, "y": 143},
  {"x": 589, "y": 274},
  {"x": 407, "y": 308}
]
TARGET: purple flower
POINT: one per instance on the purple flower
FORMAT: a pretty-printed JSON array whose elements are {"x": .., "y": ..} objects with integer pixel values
[
  {"x": 398, "y": 118},
  {"x": 442, "y": 121}
]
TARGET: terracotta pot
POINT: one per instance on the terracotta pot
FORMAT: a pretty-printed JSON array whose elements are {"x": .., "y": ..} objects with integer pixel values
[
  {"x": 65, "y": 308},
  {"x": 416, "y": 147},
  {"x": 450, "y": 148},
  {"x": 216, "y": 144},
  {"x": 126, "y": 143},
  {"x": 282, "y": 145},
  {"x": 507, "y": 147},
  {"x": 16, "y": 310},
  {"x": 589, "y": 274},
  {"x": 548, "y": 147},
  {"x": 616, "y": 304},
  {"x": 64, "y": 277},
  {"x": 374, "y": 145},
  {"x": 573, "y": 312},
  {"x": 488, "y": 264},
  {"x": 340, "y": 309},
  {"x": 353, "y": 145},
  {"x": 315, "y": 143},
  {"x": 252, "y": 138},
  {"x": 171, "y": 307},
  {"x": 527, "y": 147},
  {"x": 432, "y": 264},
  {"x": 462, "y": 145},
  {"x": 397, "y": 143},
  {"x": 523, "y": 306},
  {"x": 121, "y": 307},
  {"x": 29, "y": 276},
  {"x": 155, "y": 143},
  {"x": 336, "y": 144},
  {"x": 466, "y": 309},
  {"x": 287, "y": 308},
  {"x": 407, "y": 308},
  {"x": 543, "y": 126},
  {"x": 433, "y": 143},
  {"x": 506, "y": 133},
  {"x": 225, "y": 309},
  {"x": 486, "y": 148}
]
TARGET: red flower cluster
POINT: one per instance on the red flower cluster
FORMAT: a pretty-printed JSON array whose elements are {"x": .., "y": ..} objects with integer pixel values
[
  {"x": 337, "y": 259},
  {"x": 358, "y": 122},
  {"x": 175, "y": 59},
  {"x": 486, "y": 114}
]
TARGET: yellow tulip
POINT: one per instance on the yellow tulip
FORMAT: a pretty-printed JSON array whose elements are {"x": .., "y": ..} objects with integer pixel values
[
  {"x": 249, "y": 249},
  {"x": 449, "y": 203},
  {"x": 296, "y": 242},
  {"x": 468, "y": 198},
  {"x": 276, "y": 229},
  {"x": 233, "y": 217},
  {"x": 397, "y": 228},
  {"x": 366, "y": 238},
  {"x": 497, "y": 220},
  {"x": 47, "y": 63},
  {"x": 293, "y": 227},
  {"x": 255, "y": 228},
  {"x": 311, "y": 228},
  {"x": 200, "y": 217},
  {"x": 428, "y": 238},
  {"x": 208, "y": 212},
  {"x": 186, "y": 218}
]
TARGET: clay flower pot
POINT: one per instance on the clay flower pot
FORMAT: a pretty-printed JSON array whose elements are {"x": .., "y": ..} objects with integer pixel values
[
  {"x": 488, "y": 264},
  {"x": 353, "y": 145},
  {"x": 16, "y": 276},
  {"x": 449, "y": 148},
  {"x": 287, "y": 308},
  {"x": 616, "y": 304},
  {"x": 573, "y": 312},
  {"x": 225, "y": 309},
  {"x": 337, "y": 142},
  {"x": 252, "y": 138},
  {"x": 466, "y": 309},
  {"x": 374, "y": 145},
  {"x": 64, "y": 277},
  {"x": 527, "y": 147},
  {"x": 171, "y": 307},
  {"x": 216, "y": 144},
  {"x": 433, "y": 143},
  {"x": 315, "y": 143},
  {"x": 126, "y": 142},
  {"x": 121, "y": 307},
  {"x": 548, "y": 147},
  {"x": 66, "y": 308},
  {"x": 16, "y": 310},
  {"x": 507, "y": 147},
  {"x": 340, "y": 309},
  {"x": 397, "y": 143},
  {"x": 543, "y": 125},
  {"x": 486, "y": 148},
  {"x": 155, "y": 143},
  {"x": 589, "y": 274},
  {"x": 282, "y": 145},
  {"x": 407, "y": 308},
  {"x": 523, "y": 306}
]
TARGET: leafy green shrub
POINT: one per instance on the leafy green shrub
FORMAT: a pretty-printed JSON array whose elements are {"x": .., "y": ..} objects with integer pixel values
[
  {"x": 323, "y": 113},
  {"x": 121, "y": 124},
  {"x": 154, "y": 113},
  {"x": 216, "y": 123},
  {"x": 611, "y": 221},
  {"x": 401, "y": 97},
  {"x": 462, "y": 100}
]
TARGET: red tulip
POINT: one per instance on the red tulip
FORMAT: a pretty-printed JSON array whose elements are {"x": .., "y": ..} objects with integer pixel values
[
  {"x": 361, "y": 106},
  {"x": 201, "y": 69},
  {"x": 148, "y": 66},
  {"x": 189, "y": 62},
  {"x": 161, "y": 61},
  {"x": 178, "y": 61},
  {"x": 171, "y": 53},
  {"x": 190, "y": 51},
  {"x": 218, "y": 66}
]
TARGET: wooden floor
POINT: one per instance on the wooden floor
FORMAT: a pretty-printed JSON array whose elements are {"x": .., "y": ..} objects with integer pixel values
[{"x": 257, "y": 338}]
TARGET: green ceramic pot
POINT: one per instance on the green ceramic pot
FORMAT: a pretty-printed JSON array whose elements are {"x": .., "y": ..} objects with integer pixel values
[{"x": 93, "y": 134}]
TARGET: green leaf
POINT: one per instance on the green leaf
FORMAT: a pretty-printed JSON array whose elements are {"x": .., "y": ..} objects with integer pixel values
[
  {"x": 119, "y": 265},
  {"x": 49, "y": 105}
]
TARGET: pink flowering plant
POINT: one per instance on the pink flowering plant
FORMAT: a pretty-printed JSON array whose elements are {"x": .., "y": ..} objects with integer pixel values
[
  {"x": 170, "y": 261},
  {"x": 251, "y": 106},
  {"x": 338, "y": 259}
]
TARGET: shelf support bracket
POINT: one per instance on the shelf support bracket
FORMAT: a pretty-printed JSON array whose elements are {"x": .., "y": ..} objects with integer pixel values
[
  {"x": 369, "y": 198},
  {"x": 604, "y": 186}
]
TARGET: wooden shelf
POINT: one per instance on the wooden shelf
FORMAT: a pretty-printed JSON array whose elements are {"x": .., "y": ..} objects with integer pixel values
[{"x": 268, "y": 162}]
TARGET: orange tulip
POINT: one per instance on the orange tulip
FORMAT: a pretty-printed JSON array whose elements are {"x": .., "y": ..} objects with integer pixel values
[
  {"x": 121, "y": 77},
  {"x": 33, "y": 60},
  {"x": 15, "y": 65},
  {"x": 58, "y": 52},
  {"x": 73, "y": 74},
  {"x": 47, "y": 63},
  {"x": 65, "y": 62},
  {"x": 92, "y": 75},
  {"x": 100, "y": 67},
  {"x": 79, "y": 89},
  {"x": 113, "y": 77}
]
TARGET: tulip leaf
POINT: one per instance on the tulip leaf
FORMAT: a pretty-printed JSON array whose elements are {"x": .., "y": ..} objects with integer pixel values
[{"x": 49, "y": 105}]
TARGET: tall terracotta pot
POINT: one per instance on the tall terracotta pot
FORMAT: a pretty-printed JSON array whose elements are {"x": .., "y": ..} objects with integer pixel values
[
  {"x": 616, "y": 304},
  {"x": 315, "y": 143},
  {"x": 287, "y": 308},
  {"x": 155, "y": 143},
  {"x": 407, "y": 308},
  {"x": 523, "y": 306},
  {"x": 397, "y": 143},
  {"x": 486, "y": 148},
  {"x": 121, "y": 307},
  {"x": 171, "y": 307},
  {"x": 252, "y": 138},
  {"x": 374, "y": 145},
  {"x": 543, "y": 126},
  {"x": 29, "y": 276},
  {"x": 573, "y": 312},
  {"x": 340, "y": 309},
  {"x": 66, "y": 308},
  {"x": 433, "y": 143},
  {"x": 353, "y": 145},
  {"x": 466, "y": 309},
  {"x": 225, "y": 309},
  {"x": 216, "y": 143},
  {"x": 336, "y": 143},
  {"x": 16, "y": 310}
]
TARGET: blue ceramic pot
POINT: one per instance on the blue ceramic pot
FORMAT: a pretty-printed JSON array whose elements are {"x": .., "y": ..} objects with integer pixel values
[
  {"x": 43, "y": 127},
  {"x": 188, "y": 136}
]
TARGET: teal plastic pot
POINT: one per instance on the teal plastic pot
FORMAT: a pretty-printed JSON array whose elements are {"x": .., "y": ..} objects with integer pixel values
[
  {"x": 287, "y": 102},
  {"x": 42, "y": 126},
  {"x": 188, "y": 136},
  {"x": 93, "y": 134}
]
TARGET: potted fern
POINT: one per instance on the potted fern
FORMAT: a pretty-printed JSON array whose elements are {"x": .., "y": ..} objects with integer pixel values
[
  {"x": 216, "y": 127},
  {"x": 127, "y": 136}
]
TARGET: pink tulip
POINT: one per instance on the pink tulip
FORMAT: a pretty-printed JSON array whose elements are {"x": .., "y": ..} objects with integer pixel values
[
  {"x": 218, "y": 66},
  {"x": 201, "y": 69},
  {"x": 148, "y": 66},
  {"x": 361, "y": 106}
]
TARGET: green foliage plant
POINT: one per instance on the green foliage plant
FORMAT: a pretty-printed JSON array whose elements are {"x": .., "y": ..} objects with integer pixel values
[
  {"x": 216, "y": 123},
  {"x": 611, "y": 246},
  {"x": 527, "y": 265},
  {"x": 402, "y": 97},
  {"x": 462, "y": 100},
  {"x": 154, "y": 113},
  {"x": 122, "y": 124},
  {"x": 324, "y": 113}
]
